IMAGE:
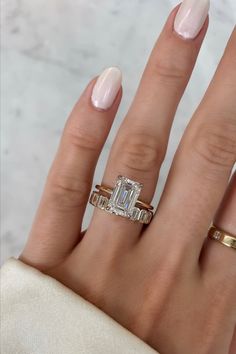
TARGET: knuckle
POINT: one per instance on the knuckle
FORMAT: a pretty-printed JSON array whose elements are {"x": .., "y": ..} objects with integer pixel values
[
  {"x": 82, "y": 139},
  {"x": 216, "y": 144},
  {"x": 168, "y": 71},
  {"x": 65, "y": 192},
  {"x": 141, "y": 153}
]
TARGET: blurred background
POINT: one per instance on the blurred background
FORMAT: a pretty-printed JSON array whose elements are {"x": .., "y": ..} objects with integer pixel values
[{"x": 49, "y": 52}]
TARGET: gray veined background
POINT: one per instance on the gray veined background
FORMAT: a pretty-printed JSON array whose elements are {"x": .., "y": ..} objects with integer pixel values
[{"x": 49, "y": 51}]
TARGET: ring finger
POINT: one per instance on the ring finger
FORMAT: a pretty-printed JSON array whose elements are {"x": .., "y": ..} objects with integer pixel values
[{"x": 141, "y": 143}]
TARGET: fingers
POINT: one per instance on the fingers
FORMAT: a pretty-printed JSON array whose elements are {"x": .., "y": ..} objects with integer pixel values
[
  {"x": 204, "y": 160},
  {"x": 59, "y": 218},
  {"x": 142, "y": 140}
]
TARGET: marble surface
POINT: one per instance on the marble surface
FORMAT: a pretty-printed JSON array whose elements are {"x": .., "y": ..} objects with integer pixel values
[{"x": 50, "y": 50}]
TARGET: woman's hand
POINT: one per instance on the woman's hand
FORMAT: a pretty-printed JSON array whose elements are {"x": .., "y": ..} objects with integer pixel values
[{"x": 168, "y": 283}]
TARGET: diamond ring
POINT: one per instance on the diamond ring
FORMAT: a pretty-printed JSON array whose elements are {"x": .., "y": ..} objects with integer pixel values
[{"x": 123, "y": 200}]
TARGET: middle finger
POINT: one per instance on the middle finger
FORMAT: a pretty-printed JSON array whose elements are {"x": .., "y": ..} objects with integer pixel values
[{"x": 203, "y": 163}]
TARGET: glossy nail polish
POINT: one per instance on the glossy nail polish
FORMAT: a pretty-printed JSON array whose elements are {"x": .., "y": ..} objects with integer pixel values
[
  {"x": 190, "y": 17},
  {"x": 106, "y": 88}
]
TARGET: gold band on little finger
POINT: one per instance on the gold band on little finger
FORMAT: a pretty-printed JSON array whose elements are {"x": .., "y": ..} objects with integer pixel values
[{"x": 221, "y": 236}]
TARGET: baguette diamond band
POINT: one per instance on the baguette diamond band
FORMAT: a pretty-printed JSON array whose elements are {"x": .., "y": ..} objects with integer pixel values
[{"x": 123, "y": 200}]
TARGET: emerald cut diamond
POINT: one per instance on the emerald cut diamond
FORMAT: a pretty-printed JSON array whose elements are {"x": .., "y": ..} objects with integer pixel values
[
  {"x": 102, "y": 202},
  {"x": 135, "y": 213},
  {"x": 124, "y": 197}
]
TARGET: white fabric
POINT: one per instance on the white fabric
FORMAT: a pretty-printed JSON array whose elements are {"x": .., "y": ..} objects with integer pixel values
[{"x": 39, "y": 315}]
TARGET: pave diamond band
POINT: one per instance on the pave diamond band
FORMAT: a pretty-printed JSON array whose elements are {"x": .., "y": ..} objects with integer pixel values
[
  {"x": 123, "y": 200},
  {"x": 222, "y": 237}
]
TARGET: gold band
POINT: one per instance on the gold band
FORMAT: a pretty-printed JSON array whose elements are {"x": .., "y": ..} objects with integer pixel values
[
  {"x": 109, "y": 191},
  {"x": 222, "y": 237}
]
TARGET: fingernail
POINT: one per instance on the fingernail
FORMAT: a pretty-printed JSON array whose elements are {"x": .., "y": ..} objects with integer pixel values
[
  {"x": 190, "y": 17},
  {"x": 106, "y": 88}
]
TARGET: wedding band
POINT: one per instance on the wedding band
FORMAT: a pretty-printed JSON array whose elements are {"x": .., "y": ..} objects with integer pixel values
[
  {"x": 222, "y": 237},
  {"x": 109, "y": 191},
  {"x": 123, "y": 200}
]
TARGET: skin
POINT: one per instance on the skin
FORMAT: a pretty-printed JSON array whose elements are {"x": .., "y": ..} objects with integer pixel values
[{"x": 167, "y": 283}]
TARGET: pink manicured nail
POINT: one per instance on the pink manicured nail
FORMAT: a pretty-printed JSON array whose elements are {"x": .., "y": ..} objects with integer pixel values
[
  {"x": 106, "y": 88},
  {"x": 190, "y": 18}
]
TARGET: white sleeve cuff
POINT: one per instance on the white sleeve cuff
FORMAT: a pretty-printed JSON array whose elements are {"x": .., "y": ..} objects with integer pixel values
[{"x": 42, "y": 316}]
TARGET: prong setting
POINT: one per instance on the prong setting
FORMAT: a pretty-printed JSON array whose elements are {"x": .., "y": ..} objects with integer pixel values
[{"x": 124, "y": 197}]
